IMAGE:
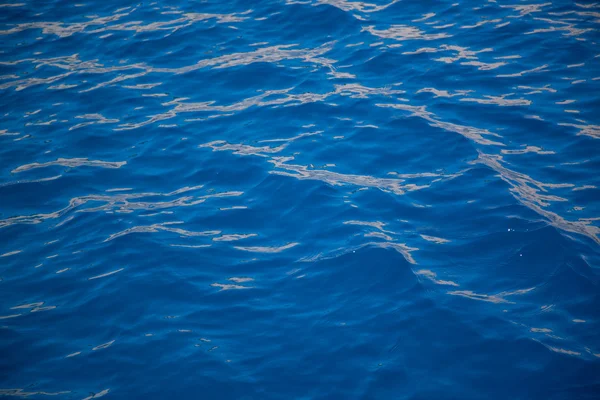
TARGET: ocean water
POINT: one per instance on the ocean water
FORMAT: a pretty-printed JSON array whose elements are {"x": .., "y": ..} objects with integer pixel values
[{"x": 318, "y": 199}]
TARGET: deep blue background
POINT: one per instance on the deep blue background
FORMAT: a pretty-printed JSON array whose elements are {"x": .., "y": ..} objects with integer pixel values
[{"x": 318, "y": 199}]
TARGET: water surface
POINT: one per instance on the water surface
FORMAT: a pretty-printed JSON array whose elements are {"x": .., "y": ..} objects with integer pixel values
[{"x": 320, "y": 199}]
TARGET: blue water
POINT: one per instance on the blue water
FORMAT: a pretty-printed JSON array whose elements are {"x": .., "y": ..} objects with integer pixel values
[{"x": 319, "y": 199}]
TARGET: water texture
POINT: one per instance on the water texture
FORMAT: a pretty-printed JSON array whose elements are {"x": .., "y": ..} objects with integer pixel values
[{"x": 320, "y": 199}]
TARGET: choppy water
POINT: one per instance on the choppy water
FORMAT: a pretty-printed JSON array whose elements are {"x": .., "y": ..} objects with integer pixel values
[{"x": 321, "y": 199}]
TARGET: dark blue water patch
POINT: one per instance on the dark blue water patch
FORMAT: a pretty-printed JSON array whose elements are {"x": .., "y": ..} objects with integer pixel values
[{"x": 317, "y": 20}]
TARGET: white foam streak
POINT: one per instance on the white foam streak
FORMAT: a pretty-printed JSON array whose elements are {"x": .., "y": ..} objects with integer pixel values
[{"x": 71, "y": 163}]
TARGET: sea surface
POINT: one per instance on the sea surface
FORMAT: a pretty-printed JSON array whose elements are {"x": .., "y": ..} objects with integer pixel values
[{"x": 317, "y": 199}]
